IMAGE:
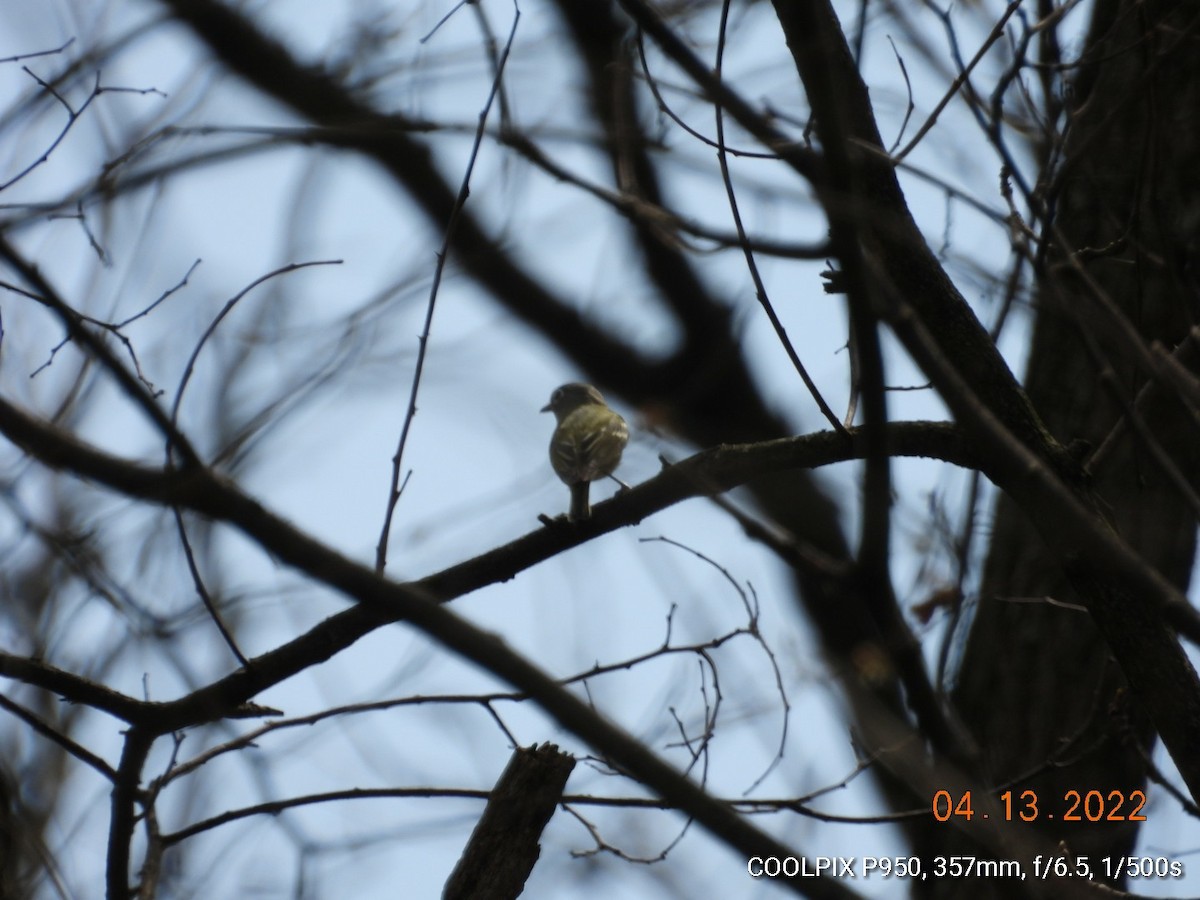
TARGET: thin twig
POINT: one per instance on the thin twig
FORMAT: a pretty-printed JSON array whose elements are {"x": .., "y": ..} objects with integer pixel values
[
  {"x": 205, "y": 597},
  {"x": 760, "y": 289},
  {"x": 965, "y": 73},
  {"x": 48, "y": 731},
  {"x": 464, "y": 190},
  {"x": 233, "y": 301}
]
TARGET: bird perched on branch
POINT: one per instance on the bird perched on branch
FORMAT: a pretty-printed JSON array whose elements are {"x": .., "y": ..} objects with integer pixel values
[{"x": 587, "y": 442}]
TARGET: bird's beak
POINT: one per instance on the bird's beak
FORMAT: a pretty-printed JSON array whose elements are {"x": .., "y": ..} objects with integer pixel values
[{"x": 546, "y": 408}]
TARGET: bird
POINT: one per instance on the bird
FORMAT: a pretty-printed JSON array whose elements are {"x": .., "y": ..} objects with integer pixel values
[{"x": 587, "y": 441}]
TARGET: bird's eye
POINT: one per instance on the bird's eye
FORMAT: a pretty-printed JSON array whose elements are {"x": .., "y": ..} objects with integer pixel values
[{"x": 558, "y": 395}]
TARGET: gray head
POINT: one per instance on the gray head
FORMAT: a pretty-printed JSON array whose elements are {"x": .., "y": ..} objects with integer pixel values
[{"x": 568, "y": 398}]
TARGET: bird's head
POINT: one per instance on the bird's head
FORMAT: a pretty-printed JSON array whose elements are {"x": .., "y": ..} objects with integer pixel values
[{"x": 568, "y": 398}]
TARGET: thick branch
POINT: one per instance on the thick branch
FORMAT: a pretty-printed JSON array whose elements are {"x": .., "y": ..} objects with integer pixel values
[
  {"x": 123, "y": 819},
  {"x": 504, "y": 845}
]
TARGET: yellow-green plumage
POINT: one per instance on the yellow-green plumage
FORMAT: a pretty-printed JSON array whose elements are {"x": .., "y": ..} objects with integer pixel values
[{"x": 587, "y": 443}]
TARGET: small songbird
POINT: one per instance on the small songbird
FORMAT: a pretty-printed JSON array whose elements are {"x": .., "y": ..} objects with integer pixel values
[{"x": 587, "y": 442}]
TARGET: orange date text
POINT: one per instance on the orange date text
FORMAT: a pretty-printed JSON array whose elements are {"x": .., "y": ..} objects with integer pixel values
[{"x": 1028, "y": 806}]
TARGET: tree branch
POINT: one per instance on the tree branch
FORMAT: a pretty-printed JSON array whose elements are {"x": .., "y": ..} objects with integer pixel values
[{"x": 504, "y": 846}]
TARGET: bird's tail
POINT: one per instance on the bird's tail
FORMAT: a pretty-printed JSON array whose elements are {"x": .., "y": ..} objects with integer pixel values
[{"x": 580, "y": 508}]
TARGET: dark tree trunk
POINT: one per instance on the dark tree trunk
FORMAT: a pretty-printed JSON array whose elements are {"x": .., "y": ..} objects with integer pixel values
[{"x": 1037, "y": 684}]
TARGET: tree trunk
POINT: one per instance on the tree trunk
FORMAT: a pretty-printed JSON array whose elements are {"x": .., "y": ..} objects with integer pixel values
[{"x": 1037, "y": 686}]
